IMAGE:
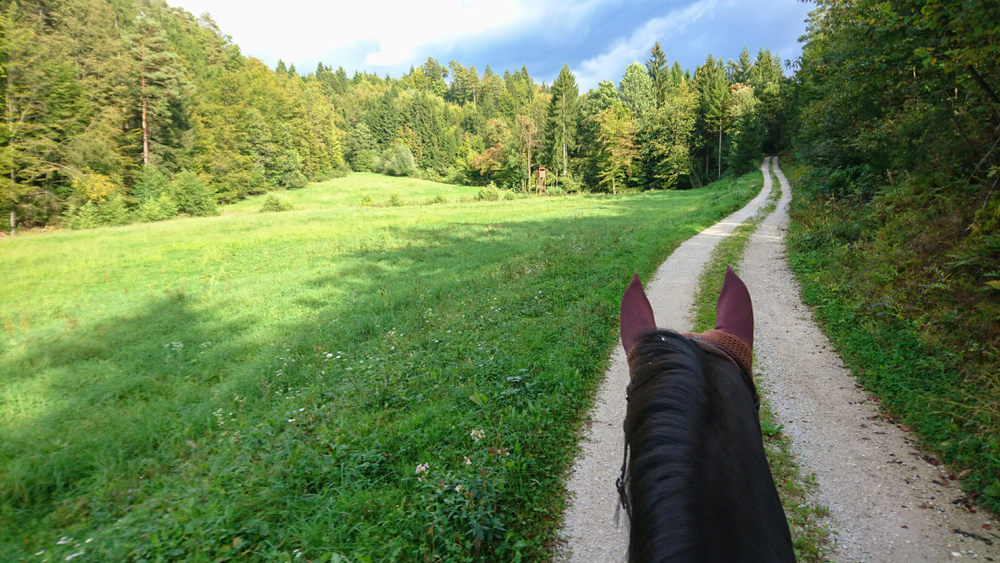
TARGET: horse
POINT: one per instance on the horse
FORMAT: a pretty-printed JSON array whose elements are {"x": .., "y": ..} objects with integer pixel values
[{"x": 695, "y": 483}]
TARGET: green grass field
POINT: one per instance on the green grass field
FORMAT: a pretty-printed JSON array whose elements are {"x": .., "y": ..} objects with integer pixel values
[{"x": 325, "y": 384}]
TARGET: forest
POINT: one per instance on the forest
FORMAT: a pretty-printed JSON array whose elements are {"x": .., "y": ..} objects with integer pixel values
[{"x": 119, "y": 112}]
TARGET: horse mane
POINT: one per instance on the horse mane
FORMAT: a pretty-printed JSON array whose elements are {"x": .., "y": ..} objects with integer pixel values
[
  {"x": 668, "y": 391},
  {"x": 697, "y": 484}
]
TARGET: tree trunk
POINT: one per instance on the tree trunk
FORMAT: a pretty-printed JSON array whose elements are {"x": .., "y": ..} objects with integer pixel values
[
  {"x": 613, "y": 189},
  {"x": 142, "y": 97},
  {"x": 13, "y": 223},
  {"x": 720, "y": 149},
  {"x": 565, "y": 164}
]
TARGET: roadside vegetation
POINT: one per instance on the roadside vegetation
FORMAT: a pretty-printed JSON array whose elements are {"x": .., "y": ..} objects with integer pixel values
[
  {"x": 895, "y": 224},
  {"x": 321, "y": 384}
]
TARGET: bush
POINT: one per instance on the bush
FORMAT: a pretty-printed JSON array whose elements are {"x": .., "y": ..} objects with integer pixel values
[
  {"x": 150, "y": 184},
  {"x": 193, "y": 196},
  {"x": 454, "y": 176},
  {"x": 555, "y": 190},
  {"x": 489, "y": 193},
  {"x": 293, "y": 180},
  {"x": 569, "y": 184},
  {"x": 508, "y": 195},
  {"x": 275, "y": 202},
  {"x": 364, "y": 160},
  {"x": 438, "y": 198},
  {"x": 430, "y": 174},
  {"x": 87, "y": 216},
  {"x": 396, "y": 161},
  {"x": 367, "y": 201},
  {"x": 114, "y": 213},
  {"x": 159, "y": 209}
]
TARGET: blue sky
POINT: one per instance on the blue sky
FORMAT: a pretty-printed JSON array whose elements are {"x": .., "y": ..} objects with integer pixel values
[{"x": 597, "y": 38}]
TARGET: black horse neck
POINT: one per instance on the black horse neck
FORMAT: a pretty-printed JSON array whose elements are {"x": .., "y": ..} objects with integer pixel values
[{"x": 698, "y": 482}]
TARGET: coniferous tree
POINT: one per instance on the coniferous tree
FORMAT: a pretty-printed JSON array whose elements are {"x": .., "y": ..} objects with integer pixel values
[
  {"x": 739, "y": 72},
  {"x": 710, "y": 80},
  {"x": 592, "y": 104},
  {"x": 159, "y": 79},
  {"x": 658, "y": 73},
  {"x": 563, "y": 118}
]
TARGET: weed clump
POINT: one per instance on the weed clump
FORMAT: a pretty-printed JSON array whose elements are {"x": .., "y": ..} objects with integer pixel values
[
  {"x": 367, "y": 201},
  {"x": 275, "y": 202},
  {"x": 438, "y": 198}
]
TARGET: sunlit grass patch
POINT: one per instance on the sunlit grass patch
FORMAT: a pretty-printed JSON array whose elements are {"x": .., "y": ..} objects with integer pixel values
[{"x": 260, "y": 386}]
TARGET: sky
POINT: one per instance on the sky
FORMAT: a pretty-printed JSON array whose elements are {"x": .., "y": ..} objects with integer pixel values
[{"x": 596, "y": 38}]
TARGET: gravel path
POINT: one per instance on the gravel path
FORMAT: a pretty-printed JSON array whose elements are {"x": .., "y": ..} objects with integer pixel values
[
  {"x": 886, "y": 501},
  {"x": 590, "y": 528}
]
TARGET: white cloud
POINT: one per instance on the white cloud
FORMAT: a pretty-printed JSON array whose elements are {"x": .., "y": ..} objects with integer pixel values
[
  {"x": 611, "y": 64},
  {"x": 390, "y": 32}
]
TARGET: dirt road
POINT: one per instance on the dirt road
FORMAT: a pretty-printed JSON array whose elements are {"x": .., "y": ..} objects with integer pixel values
[
  {"x": 590, "y": 525},
  {"x": 887, "y": 503}
]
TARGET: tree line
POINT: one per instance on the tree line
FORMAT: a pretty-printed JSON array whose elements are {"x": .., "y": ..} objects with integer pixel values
[{"x": 118, "y": 111}]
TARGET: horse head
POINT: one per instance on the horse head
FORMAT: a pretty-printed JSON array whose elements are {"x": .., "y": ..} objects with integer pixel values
[{"x": 696, "y": 483}]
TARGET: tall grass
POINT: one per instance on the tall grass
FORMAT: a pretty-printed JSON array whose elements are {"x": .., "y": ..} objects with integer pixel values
[{"x": 266, "y": 386}]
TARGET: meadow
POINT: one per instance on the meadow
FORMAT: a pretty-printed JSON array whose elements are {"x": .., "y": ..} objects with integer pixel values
[{"x": 332, "y": 383}]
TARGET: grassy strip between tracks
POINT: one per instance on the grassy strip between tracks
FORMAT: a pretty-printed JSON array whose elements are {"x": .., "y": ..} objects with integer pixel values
[{"x": 812, "y": 538}]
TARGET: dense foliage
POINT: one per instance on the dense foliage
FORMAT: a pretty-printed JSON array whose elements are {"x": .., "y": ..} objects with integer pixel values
[
  {"x": 103, "y": 94},
  {"x": 121, "y": 111},
  {"x": 896, "y": 227}
]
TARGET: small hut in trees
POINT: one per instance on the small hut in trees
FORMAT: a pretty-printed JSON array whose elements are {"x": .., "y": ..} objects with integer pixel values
[{"x": 540, "y": 179}]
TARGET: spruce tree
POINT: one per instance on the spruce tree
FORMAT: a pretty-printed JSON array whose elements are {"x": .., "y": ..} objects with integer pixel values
[
  {"x": 713, "y": 90},
  {"x": 658, "y": 73},
  {"x": 159, "y": 77},
  {"x": 739, "y": 72},
  {"x": 563, "y": 118}
]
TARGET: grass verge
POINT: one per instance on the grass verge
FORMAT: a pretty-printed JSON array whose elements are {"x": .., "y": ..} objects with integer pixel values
[
  {"x": 811, "y": 538},
  {"x": 325, "y": 384}
]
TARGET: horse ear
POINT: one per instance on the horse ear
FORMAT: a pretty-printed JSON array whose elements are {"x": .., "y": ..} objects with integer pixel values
[
  {"x": 734, "y": 310},
  {"x": 636, "y": 314}
]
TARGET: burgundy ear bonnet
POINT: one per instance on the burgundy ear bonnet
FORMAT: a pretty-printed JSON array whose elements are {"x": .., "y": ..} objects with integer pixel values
[
  {"x": 636, "y": 314},
  {"x": 734, "y": 310},
  {"x": 732, "y": 336}
]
